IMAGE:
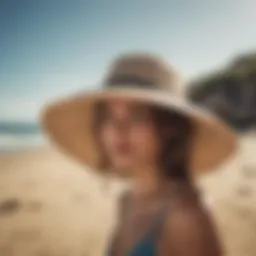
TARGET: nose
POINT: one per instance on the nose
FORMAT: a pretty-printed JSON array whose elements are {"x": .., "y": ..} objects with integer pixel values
[{"x": 122, "y": 127}]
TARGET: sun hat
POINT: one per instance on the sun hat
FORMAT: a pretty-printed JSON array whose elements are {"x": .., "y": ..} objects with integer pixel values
[{"x": 148, "y": 79}]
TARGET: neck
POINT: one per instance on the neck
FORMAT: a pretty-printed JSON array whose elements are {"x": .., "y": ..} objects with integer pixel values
[{"x": 148, "y": 182}]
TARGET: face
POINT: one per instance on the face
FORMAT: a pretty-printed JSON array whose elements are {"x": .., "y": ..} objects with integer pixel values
[{"x": 128, "y": 135}]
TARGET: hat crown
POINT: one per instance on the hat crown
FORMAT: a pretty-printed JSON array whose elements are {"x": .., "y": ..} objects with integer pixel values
[{"x": 142, "y": 70}]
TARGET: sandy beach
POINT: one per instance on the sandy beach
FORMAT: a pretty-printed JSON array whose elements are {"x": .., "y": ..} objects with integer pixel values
[{"x": 51, "y": 206}]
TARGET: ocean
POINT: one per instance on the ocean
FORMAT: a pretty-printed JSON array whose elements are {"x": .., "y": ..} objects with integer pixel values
[{"x": 16, "y": 136}]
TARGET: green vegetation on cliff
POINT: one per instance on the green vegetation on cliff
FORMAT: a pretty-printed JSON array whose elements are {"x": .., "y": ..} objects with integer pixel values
[{"x": 230, "y": 93}]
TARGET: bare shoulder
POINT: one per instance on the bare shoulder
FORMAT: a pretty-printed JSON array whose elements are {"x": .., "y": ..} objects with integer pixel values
[{"x": 189, "y": 228}]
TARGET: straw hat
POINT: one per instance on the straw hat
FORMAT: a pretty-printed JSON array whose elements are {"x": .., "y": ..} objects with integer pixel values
[{"x": 147, "y": 79}]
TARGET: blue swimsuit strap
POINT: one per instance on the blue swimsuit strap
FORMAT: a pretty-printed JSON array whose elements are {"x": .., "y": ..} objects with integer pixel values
[
  {"x": 154, "y": 229},
  {"x": 158, "y": 220},
  {"x": 147, "y": 243}
]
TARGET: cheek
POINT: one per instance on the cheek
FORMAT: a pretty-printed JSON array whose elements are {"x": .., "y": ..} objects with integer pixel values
[
  {"x": 145, "y": 142},
  {"x": 106, "y": 137}
]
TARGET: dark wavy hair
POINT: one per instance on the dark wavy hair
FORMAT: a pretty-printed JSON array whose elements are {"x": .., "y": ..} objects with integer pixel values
[{"x": 175, "y": 133}]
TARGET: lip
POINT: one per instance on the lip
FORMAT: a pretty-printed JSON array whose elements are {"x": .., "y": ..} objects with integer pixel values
[{"x": 122, "y": 148}]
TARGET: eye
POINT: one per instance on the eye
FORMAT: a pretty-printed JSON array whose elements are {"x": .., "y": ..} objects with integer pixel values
[
  {"x": 107, "y": 116},
  {"x": 140, "y": 115}
]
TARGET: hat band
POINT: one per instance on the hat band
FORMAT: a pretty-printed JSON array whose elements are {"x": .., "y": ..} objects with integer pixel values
[{"x": 131, "y": 81}]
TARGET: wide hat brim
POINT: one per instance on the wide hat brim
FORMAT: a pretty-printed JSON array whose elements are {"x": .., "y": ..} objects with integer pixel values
[{"x": 68, "y": 123}]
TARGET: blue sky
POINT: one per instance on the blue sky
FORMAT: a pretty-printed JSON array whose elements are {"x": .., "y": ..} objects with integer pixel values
[{"x": 50, "y": 48}]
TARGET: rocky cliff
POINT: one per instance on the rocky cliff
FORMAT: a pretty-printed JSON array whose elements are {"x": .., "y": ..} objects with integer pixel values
[{"x": 230, "y": 93}]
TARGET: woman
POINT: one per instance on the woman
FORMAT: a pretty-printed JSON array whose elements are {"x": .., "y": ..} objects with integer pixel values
[{"x": 140, "y": 128}]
